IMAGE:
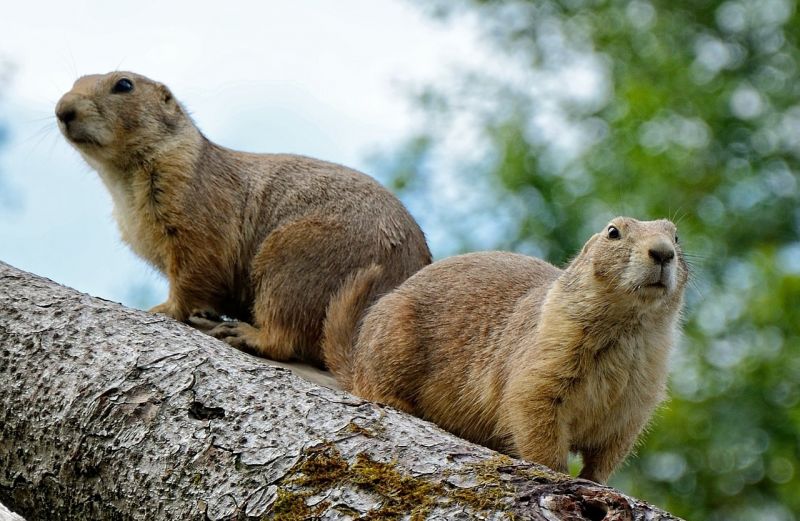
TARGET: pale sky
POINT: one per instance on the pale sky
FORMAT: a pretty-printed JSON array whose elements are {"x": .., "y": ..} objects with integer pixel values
[{"x": 324, "y": 79}]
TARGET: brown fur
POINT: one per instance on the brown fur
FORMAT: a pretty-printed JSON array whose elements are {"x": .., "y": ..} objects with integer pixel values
[
  {"x": 516, "y": 354},
  {"x": 267, "y": 239}
]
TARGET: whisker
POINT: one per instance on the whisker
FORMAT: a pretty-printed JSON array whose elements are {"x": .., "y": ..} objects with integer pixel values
[
  {"x": 51, "y": 117},
  {"x": 38, "y": 135},
  {"x": 72, "y": 62},
  {"x": 694, "y": 285},
  {"x": 696, "y": 257},
  {"x": 678, "y": 216}
]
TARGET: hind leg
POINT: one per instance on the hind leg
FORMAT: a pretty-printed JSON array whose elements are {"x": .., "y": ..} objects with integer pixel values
[
  {"x": 241, "y": 335},
  {"x": 295, "y": 273},
  {"x": 271, "y": 335},
  {"x": 267, "y": 340}
]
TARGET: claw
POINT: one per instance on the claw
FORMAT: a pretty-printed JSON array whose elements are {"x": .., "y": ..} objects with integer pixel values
[
  {"x": 206, "y": 314},
  {"x": 202, "y": 324}
]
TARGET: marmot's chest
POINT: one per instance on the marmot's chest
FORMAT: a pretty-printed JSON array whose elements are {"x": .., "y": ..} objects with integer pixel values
[
  {"x": 146, "y": 238},
  {"x": 140, "y": 218},
  {"x": 618, "y": 383}
]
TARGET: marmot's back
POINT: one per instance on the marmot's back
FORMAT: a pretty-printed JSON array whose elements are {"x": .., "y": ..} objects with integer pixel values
[{"x": 467, "y": 296}]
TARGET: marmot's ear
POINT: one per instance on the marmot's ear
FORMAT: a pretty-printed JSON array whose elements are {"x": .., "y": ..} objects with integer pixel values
[
  {"x": 591, "y": 241},
  {"x": 166, "y": 96}
]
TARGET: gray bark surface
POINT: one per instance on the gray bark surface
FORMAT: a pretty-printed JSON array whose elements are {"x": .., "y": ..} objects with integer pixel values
[{"x": 113, "y": 413}]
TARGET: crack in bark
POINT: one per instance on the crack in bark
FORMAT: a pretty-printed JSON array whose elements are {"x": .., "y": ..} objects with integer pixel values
[
  {"x": 198, "y": 411},
  {"x": 171, "y": 356}
]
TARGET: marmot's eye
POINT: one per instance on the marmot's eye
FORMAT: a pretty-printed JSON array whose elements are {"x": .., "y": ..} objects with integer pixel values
[
  {"x": 613, "y": 232},
  {"x": 676, "y": 239},
  {"x": 122, "y": 86}
]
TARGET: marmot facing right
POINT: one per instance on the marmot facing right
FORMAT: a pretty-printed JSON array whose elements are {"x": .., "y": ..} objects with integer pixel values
[{"x": 513, "y": 353}]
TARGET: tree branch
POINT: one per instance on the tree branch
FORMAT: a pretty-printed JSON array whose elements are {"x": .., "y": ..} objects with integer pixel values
[{"x": 112, "y": 413}]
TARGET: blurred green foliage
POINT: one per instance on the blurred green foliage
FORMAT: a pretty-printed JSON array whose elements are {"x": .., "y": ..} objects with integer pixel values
[{"x": 681, "y": 109}]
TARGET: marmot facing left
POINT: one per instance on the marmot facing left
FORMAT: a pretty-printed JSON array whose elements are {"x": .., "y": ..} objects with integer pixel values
[
  {"x": 513, "y": 353},
  {"x": 267, "y": 239}
]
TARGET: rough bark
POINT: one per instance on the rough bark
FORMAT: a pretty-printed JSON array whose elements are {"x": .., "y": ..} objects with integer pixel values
[{"x": 113, "y": 413}]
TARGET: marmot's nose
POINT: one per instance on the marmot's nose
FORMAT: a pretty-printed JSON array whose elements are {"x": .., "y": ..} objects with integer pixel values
[
  {"x": 66, "y": 114},
  {"x": 661, "y": 252}
]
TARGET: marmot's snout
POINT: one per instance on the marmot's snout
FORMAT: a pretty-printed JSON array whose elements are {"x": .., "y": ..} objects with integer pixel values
[
  {"x": 660, "y": 270},
  {"x": 78, "y": 121},
  {"x": 661, "y": 252},
  {"x": 66, "y": 113},
  {"x": 68, "y": 116}
]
